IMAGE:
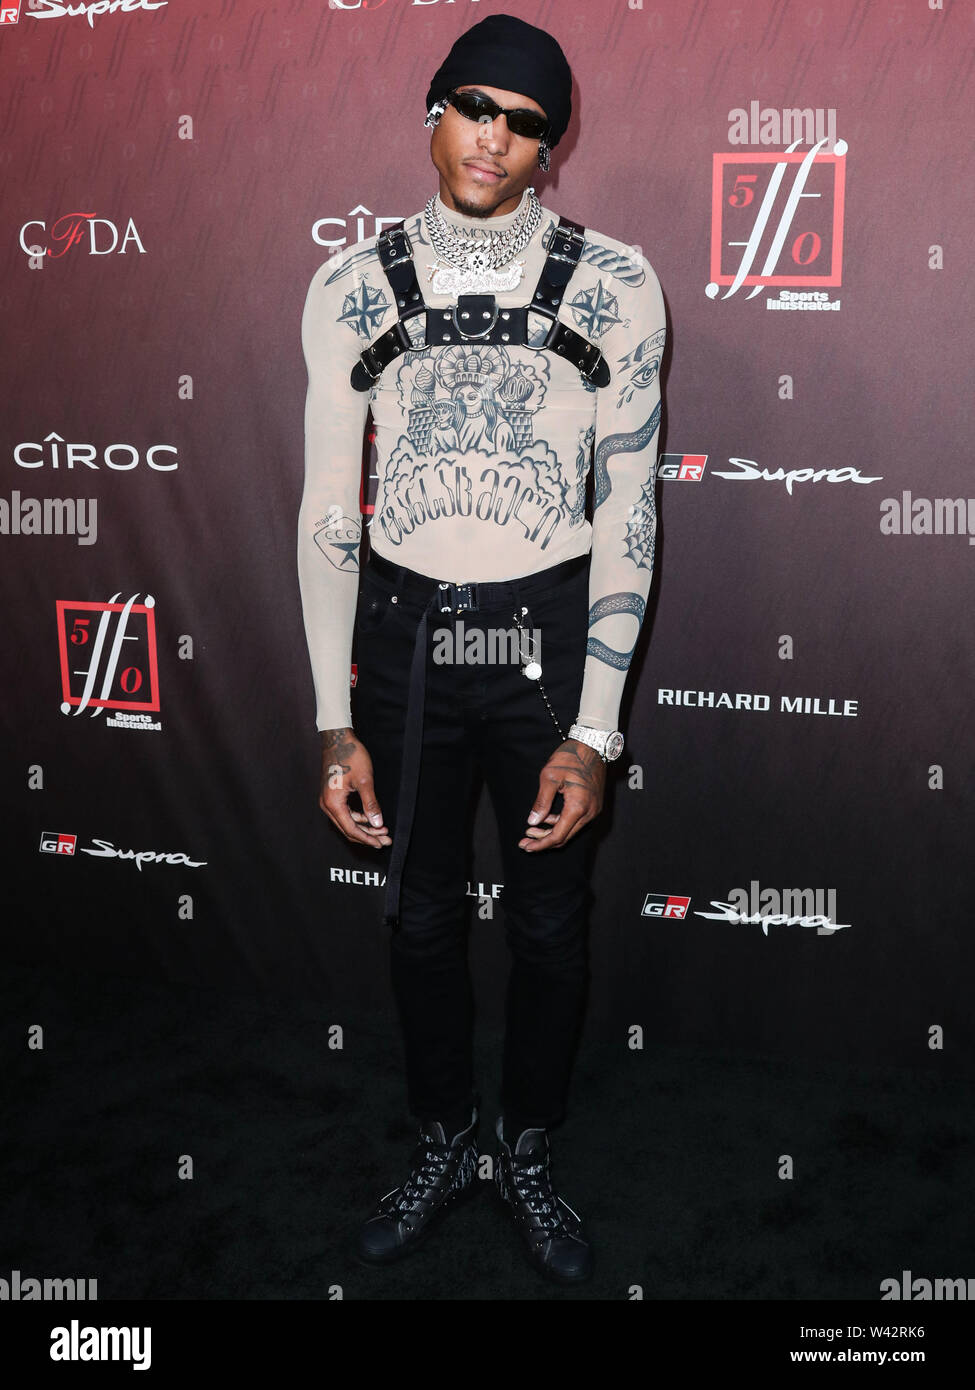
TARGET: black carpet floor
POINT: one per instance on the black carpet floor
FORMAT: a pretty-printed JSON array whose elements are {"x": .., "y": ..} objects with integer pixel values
[{"x": 672, "y": 1155}]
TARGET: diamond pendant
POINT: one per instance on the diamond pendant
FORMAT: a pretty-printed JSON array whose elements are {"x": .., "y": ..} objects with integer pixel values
[{"x": 477, "y": 277}]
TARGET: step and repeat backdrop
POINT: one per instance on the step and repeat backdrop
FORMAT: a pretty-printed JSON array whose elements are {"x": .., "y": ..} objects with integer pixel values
[{"x": 783, "y": 859}]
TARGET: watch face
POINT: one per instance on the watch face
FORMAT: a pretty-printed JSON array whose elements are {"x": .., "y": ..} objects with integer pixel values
[{"x": 614, "y": 746}]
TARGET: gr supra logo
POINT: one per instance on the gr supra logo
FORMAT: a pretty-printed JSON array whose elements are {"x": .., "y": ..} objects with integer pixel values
[
  {"x": 53, "y": 843},
  {"x": 758, "y": 906},
  {"x": 108, "y": 656},
  {"x": 777, "y": 223},
  {"x": 105, "y": 849},
  {"x": 87, "y": 9},
  {"x": 665, "y": 905}
]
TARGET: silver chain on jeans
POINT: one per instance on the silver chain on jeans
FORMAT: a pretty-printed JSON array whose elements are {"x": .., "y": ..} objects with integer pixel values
[{"x": 531, "y": 667}]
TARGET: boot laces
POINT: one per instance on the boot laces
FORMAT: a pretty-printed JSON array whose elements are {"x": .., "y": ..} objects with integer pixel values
[
  {"x": 533, "y": 1184},
  {"x": 424, "y": 1174}
]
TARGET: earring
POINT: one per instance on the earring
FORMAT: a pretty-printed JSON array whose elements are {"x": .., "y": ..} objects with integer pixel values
[
  {"x": 435, "y": 112},
  {"x": 544, "y": 150}
]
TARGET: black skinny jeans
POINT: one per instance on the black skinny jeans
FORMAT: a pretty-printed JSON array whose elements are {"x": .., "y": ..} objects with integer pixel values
[{"x": 492, "y": 717}]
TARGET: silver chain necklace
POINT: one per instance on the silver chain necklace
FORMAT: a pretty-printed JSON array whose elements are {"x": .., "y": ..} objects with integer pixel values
[{"x": 474, "y": 257}]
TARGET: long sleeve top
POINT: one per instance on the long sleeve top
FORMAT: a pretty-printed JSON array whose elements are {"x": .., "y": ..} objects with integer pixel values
[{"x": 483, "y": 451}]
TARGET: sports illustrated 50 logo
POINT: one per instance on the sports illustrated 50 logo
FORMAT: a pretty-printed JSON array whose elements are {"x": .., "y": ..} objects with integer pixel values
[
  {"x": 109, "y": 660},
  {"x": 777, "y": 217}
]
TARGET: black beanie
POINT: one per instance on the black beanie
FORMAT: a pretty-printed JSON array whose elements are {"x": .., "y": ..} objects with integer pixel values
[{"x": 509, "y": 53}]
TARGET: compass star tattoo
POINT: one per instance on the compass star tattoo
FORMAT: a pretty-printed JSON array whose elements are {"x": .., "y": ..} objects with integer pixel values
[
  {"x": 363, "y": 309},
  {"x": 596, "y": 310}
]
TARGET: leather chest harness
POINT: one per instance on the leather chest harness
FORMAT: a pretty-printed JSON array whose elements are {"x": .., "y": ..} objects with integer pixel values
[{"x": 477, "y": 318}]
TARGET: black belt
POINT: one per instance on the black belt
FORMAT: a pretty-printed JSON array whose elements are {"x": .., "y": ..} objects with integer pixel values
[{"x": 442, "y": 596}]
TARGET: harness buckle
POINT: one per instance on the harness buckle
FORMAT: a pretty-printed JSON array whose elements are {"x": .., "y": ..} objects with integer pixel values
[
  {"x": 594, "y": 365},
  {"x": 399, "y": 254},
  {"x": 574, "y": 236}
]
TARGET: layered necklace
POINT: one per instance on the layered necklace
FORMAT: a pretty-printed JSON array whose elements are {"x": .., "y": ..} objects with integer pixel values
[{"x": 474, "y": 256}]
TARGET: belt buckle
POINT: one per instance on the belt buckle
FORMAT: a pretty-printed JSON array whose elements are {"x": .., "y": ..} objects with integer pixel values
[{"x": 460, "y": 597}]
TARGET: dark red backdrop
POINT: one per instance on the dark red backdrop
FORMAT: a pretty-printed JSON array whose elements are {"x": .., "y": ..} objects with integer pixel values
[{"x": 225, "y": 147}]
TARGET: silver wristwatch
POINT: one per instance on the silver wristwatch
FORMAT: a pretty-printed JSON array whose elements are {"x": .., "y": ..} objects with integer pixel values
[{"x": 608, "y": 745}]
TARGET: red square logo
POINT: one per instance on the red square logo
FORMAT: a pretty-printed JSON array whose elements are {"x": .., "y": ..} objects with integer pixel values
[
  {"x": 108, "y": 655},
  {"x": 776, "y": 220}
]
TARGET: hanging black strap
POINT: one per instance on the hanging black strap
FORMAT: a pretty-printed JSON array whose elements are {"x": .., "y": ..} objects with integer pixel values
[
  {"x": 395, "y": 251},
  {"x": 477, "y": 318},
  {"x": 564, "y": 251}
]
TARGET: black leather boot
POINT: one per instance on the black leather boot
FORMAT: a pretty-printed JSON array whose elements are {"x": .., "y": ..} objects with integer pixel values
[
  {"x": 553, "y": 1233},
  {"x": 442, "y": 1175}
]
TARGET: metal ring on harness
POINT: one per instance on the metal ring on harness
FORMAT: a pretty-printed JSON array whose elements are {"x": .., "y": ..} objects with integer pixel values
[{"x": 465, "y": 314}]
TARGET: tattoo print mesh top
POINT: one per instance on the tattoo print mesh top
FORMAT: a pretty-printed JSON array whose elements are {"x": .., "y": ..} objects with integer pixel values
[{"x": 483, "y": 452}]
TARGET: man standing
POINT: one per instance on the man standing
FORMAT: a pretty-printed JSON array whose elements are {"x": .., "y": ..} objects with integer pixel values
[{"x": 503, "y": 350}]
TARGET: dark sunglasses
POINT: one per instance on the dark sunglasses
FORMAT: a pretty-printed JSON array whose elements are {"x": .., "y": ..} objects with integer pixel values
[{"x": 521, "y": 121}]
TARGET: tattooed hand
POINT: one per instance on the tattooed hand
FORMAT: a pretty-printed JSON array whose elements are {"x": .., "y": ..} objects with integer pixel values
[
  {"x": 347, "y": 768},
  {"x": 579, "y": 773}
]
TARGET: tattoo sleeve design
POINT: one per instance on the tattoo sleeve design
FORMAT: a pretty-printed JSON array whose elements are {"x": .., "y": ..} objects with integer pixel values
[
  {"x": 338, "y": 537},
  {"x": 641, "y": 529},
  {"x": 604, "y": 608},
  {"x": 621, "y": 444},
  {"x": 347, "y": 262},
  {"x": 623, "y": 267},
  {"x": 643, "y": 364}
]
